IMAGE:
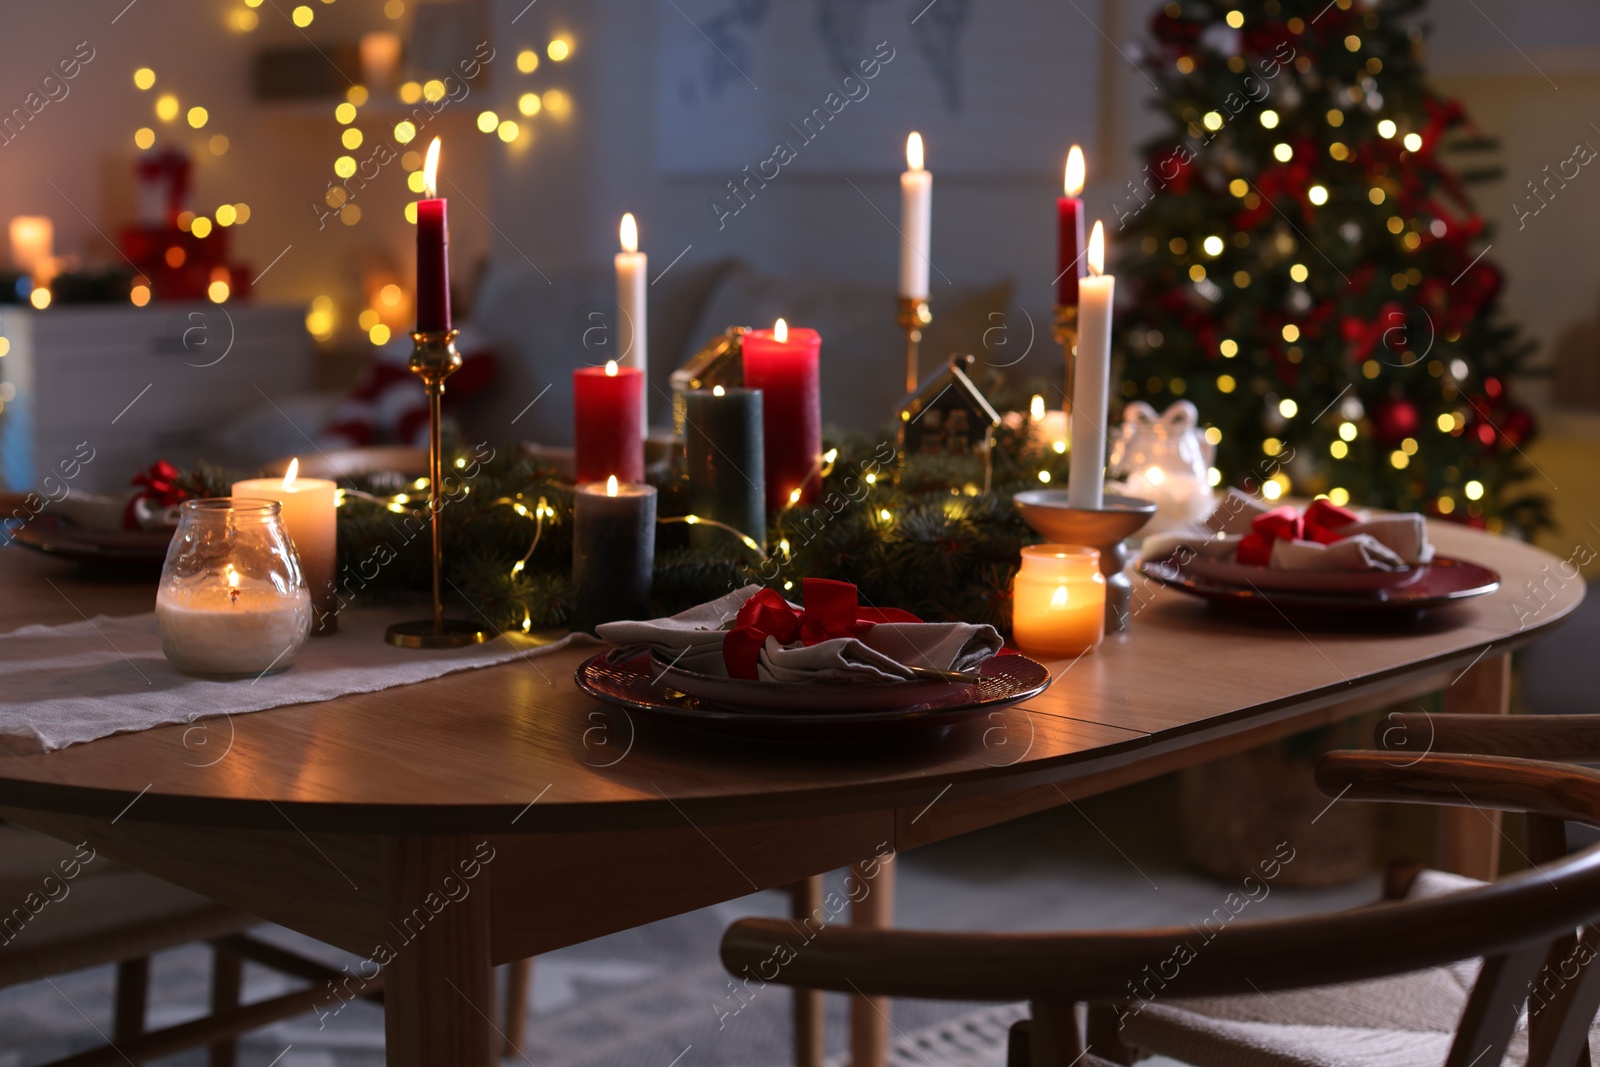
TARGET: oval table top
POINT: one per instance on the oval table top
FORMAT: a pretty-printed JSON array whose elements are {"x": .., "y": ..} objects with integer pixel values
[{"x": 517, "y": 748}]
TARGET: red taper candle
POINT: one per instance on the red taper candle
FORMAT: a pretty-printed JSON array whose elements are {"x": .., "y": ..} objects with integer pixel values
[
  {"x": 784, "y": 365},
  {"x": 433, "y": 253},
  {"x": 606, "y": 405},
  {"x": 1069, "y": 222}
]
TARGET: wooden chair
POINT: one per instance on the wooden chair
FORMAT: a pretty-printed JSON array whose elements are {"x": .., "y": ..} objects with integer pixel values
[
  {"x": 64, "y": 909},
  {"x": 1519, "y": 926}
]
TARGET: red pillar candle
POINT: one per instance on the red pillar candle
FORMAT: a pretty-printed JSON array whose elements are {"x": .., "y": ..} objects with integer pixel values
[
  {"x": 433, "y": 253},
  {"x": 1069, "y": 229},
  {"x": 606, "y": 402},
  {"x": 783, "y": 364}
]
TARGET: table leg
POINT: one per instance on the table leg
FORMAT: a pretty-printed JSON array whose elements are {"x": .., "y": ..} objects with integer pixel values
[
  {"x": 869, "y": 1016},
  {"x": 439, "y": 982},
  {"x": 1469, "y": 838}
]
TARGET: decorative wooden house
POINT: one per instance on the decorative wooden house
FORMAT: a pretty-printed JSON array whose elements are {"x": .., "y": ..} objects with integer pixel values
[
  {"x": 948, "y": 415},
  {"x": 720, "y": 362}
]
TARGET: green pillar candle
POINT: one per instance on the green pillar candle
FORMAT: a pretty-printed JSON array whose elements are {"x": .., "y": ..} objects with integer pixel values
[
  {"x": 723, "y": 449},
  {"x": 613, "y": 552}
]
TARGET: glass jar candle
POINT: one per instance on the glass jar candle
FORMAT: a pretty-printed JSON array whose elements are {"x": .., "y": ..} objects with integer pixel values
[
  {"x": 233, "y": 602},
  {"x": 1058, "y": 601}
]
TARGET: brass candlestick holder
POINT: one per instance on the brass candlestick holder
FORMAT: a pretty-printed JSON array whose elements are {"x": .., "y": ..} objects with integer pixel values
[
  {"x": 914, "y": 317},
  {"x": 433, "y": 359},
  {"x": 1066, "y": 335}
]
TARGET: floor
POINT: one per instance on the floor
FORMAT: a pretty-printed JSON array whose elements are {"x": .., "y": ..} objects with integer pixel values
[{"x": 657, "y": 997}]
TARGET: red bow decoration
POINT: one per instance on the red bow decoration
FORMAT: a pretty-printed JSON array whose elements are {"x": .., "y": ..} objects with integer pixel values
[
  {"x": 159, "y": 483},
  {"x": 832, "y": 610},
  {"x": 1321, "y": 523}
]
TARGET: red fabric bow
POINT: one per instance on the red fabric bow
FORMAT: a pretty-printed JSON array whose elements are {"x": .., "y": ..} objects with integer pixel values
[
  {"x": 159, "y": 483},
  {"x": 1321, "y": 523},
  {"x": 832, "y": 610}
]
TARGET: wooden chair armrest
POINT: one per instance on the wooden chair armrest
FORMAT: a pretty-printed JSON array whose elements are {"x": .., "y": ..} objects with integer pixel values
[
  {"x": 1233, "y": 957},
  {"x": 1562, "y": 738}
]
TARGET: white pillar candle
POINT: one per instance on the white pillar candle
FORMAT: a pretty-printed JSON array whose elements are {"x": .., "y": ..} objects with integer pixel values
[
  {"x": 310, "y": 515},
  {"x": 632, "y": 347},
  {"x": 1091, "y": 380},
  {"x": 916, "y": 222}
]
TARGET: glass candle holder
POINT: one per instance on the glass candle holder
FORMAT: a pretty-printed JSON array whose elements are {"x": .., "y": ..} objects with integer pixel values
[
  {"x": 1058, "y": 600},
  {"x": 233, "y": 602}
]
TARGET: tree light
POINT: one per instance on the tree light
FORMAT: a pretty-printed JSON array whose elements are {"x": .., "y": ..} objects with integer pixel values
[
  {"x": 1474, "y": 490},
  {"x": 1318, "y": 195},
  {"x": 1386, "y": 128}
]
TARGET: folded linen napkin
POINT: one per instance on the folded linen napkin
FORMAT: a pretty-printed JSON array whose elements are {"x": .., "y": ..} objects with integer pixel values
[
  {"x": 754, "y": 633},
  {"x": 1325, "y": 537}
]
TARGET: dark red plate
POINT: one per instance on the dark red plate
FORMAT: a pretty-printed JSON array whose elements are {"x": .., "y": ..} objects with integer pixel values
[
  {"x": 133, "y": 551},
  {"x": 1443, "y": 581},
  {"x": 634, "y": 680}
]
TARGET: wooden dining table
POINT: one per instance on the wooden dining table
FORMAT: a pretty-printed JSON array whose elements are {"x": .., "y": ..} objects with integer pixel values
[{"x": 442, "y": 828}]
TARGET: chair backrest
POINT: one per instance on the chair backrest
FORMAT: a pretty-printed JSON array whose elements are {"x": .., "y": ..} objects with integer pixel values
[{"x": 1512, "y": 924}]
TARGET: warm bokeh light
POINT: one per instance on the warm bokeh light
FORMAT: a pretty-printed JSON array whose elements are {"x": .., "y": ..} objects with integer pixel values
[
  {"x": 487, "y": 121},
  {"x": 379, "y": 334},
  {"x": 241, "y": 214},
  {"x": 198, "y": 117},
  {"x": 405, "y": 132},
  {"x": 166, "y": 107},
  {"x": 557, "y": 103},
  {"x": 559, "y": 49},
  {"x": 1212, "y": 245},
  {"x": 351, "y": 138},
  {"x": 139, "y": 295},
  {"x": 40, "y": 298},
  {"x": 410, "y": 93},
  {"x": 345, "y": 113},
  {"x": 1076, "y": 172},
  {"x": 218, "y": 145},
  {"x": 1413, "y": 143},
  {"x": 433, "y": 90},
  {"x": 1387, "y": 128},
  {"x": 344, "y": 166},
  {"x": 1318, "y": 195},
  {"x": 529, "y": 104},
  {"x": 302, "y": 16},
  {"x": 411, "y": 212},
  {"x": 176, "y": 256},
  {"x": 357, "y": 95},
  {"x": 144, "y": 137},
  {"x": 527, "y": 61},
  {"x": 390, "y": 294},
  {"x": 217, "y": 292},
  {"x": 144, "y": 77},
  {"x": 201, "y": 226}
]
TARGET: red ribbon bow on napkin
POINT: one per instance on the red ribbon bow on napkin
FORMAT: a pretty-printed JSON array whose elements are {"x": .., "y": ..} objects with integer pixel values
[
  {"x": 159, "y": 483},
  {"x": 1321, "y": 523},
  {"x": 832, "y": 610}
]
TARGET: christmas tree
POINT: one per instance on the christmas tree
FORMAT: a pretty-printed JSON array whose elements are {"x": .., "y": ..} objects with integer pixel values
[{"x": 1306, "y": 268}]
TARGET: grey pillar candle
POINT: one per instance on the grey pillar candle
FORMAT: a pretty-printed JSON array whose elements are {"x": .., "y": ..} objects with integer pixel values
[
  {"x": 613, "y": 552},
  {"x": 724, "y": 455}
]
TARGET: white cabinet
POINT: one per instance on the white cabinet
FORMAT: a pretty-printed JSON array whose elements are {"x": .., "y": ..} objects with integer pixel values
[{"x": 136, "y": 384}]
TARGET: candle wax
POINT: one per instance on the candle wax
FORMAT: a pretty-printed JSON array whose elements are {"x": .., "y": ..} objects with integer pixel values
[
  {"x": 433, "y": 266},
  {"x": 607, "y": 424},
  {"x": 1091, "y": 393},
  {"x": 1070, "y": 260},
  {"x": 724, "y": 461},
  {"x": 787, "y": 373},
  {"x": 310, "y": 516},
  {"x": 916, "y": 224},
  {"x": 632, "y": 322},
  {"x": 217, "y": 634},
  {"x": 613, "y": 553}
]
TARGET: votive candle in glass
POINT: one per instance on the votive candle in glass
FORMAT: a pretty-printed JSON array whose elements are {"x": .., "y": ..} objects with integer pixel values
[
  {"x": 232, "y": 602},
  {"x": 310, "y": 514},
  {"x": 1058, "y": 601}
]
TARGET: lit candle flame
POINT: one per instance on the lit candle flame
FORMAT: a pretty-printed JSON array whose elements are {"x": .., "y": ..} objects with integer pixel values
[
  {"x": 1036, "y": 408},
  {"x": 430, "y": 170},
  {"x": 233, "y": 576},
  {"x": 611, "y": 486},
  {"x": 629, "y": 233},
  {"x": 780, "y": 331},
  {"x": 611, "y": 368},
  {"x": 1058, "y": 599},
  {"x": 1155, "y": 476},
  {"x": 293, "y": 473},
  {"x": 1073, "y": 184},
  {"x": 1097, "y": 249},
  {"x": 914, "y": 151}
]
